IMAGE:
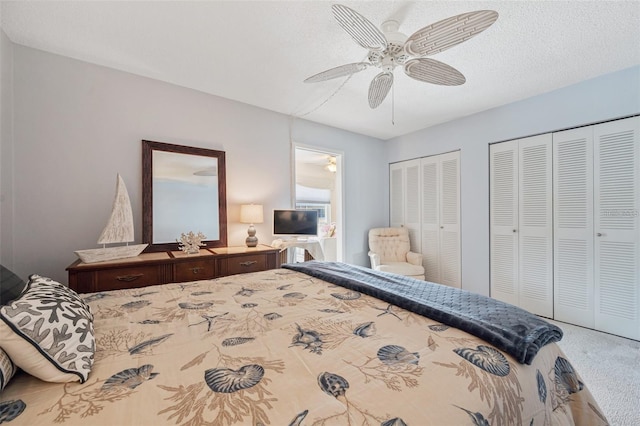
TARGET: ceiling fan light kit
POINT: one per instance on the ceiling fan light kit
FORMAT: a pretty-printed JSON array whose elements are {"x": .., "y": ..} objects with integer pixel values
[{"x": 389, "y": 48}]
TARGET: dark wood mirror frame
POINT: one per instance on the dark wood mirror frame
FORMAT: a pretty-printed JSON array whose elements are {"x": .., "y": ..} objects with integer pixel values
[{"x": 147, "y": 193}]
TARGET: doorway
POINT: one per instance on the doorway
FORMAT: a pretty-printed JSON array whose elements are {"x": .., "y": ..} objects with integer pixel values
[{"x": 318, "y": 186}]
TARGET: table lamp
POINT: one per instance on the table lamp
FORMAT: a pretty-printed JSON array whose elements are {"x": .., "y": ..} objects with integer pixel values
[{"x": 251, "y": 213}]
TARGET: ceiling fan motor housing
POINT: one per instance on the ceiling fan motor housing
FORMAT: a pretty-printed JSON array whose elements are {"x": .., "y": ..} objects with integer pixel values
[{"x": 394, "y": 54}]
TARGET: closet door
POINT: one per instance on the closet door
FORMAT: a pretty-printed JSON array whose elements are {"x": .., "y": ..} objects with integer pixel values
[
  {"x": 535, "y": 230},
  {"x": 440, "y": 218},
  {"x": 503, "y": 201},
  {"x": 431, "y": 218},
  {"x": 425, "y": 199},
  {"x": 404, "y": 208},
  {"x": 412, "y": 202},
  {"x": 573, "y": 226},
  {"x": 449, "y": 219},
  {"x": 396, "y": 195},
  {"x": 617, "y": 227}
]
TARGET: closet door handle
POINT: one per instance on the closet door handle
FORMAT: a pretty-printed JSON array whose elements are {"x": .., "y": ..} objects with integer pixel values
[
  {"x": 599, "y": 234},
  {"x": 515, "y": 230}
]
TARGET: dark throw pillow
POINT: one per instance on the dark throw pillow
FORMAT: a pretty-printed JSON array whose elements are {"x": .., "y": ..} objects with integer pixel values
[{"x": 11, "y": 285}]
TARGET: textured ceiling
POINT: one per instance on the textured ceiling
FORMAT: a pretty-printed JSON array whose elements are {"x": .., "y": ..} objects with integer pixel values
[{"x": 259, "y": 52}]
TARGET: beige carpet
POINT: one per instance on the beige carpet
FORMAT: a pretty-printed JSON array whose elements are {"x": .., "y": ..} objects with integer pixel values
[{"x": 610, "y": 367}]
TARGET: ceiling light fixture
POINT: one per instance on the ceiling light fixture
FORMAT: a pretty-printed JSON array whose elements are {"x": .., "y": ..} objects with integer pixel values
[{"x": 332, "y": 167}]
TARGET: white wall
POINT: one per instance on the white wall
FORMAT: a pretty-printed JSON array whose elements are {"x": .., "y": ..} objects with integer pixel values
[
  {"x": 76, "y": 125},
  {"x": 607, "y": 97}
]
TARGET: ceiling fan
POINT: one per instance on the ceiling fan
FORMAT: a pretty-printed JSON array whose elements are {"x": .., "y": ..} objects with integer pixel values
[{"x": 389, "y": 48}]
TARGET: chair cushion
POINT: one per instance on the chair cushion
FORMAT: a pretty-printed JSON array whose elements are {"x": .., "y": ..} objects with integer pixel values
[
  {"x": 402, "y": 268},
  {"x": 391, "y": 244}
]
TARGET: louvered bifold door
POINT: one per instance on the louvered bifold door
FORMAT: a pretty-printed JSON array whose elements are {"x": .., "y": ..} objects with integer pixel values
[
  {"x": 412, "y": 202},
  {"x": 535, "y": 231},
  {"x": 396, "y": 196},
  {"x": 573, "y": 226},
  {"x": 450, "y": 219},
  {"x": 503, "y": 159},
  {"x": 617, "y": 230},
  {"x": 431, "y": 218}
]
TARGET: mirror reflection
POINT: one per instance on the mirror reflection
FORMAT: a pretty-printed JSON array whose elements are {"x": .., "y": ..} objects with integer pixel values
[{"x": 185, "y": 189}]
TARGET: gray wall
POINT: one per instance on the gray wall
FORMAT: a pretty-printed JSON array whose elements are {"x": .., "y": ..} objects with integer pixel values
[
  {"x": 76, "y": 125},
  {"x": 6, "y": 150},
  {"x": 607, "y": 97},
  {"x": 67, "y": 128}
]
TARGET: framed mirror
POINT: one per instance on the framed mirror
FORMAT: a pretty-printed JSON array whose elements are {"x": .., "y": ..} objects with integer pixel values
[{"x": 183, "y": 189}]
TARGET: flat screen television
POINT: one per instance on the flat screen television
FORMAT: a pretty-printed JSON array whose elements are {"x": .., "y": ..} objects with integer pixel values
[{"x": 295, "y": 223}]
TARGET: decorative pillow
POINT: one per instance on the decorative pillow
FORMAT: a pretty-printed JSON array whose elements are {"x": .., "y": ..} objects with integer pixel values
[
  {"x": 11, "y": 285},
  {"x": 7, "y": 369},
  {"x": 48, "y": 332}
]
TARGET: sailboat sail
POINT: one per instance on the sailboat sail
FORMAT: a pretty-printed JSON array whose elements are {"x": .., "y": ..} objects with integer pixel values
[{"x": 119, "y": 228}]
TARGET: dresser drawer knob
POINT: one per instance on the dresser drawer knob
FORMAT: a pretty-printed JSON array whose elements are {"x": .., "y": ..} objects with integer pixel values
[
  {"x": 248, "y": 263},
  {"x": 197, "y": 270},
  {"x": 129, "y": 278}
]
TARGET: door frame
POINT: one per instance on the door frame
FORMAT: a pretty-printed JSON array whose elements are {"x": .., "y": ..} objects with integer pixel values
[{"x": 340, "y": 214}]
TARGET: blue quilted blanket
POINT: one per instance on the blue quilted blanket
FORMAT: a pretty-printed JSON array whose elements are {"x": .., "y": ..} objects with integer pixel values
[{"x": 509, "y": 328}]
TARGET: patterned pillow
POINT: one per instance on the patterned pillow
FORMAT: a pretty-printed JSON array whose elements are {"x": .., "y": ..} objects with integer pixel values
[
  {"x": 7, "y": 369},
  {"x": 48, "y": 332}
]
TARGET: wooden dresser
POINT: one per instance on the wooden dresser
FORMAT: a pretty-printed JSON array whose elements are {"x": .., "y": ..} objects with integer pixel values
[{"x": 169, "y": 267}]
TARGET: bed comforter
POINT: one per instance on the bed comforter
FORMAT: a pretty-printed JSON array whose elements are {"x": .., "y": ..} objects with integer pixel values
[{"x": 283, "y": 348}]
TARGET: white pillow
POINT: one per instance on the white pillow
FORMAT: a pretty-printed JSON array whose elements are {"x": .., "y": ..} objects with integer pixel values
[{"x": 48, "y": 332}]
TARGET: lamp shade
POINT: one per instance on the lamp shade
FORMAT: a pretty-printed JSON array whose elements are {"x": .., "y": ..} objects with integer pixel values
[{"x": 251, "y": 213}]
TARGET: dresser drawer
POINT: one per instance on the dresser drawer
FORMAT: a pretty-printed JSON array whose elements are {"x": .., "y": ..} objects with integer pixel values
[
  {"x": 243, "y": 264},
  {"x": 193, "y": 271},
  {"x": 115, "y": 279}
]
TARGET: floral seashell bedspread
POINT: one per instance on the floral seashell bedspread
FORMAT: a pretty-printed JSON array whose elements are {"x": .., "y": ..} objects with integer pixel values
[{"x": 281, "y": 348}]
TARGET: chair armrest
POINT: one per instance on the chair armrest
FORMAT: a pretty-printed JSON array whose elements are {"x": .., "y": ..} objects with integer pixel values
[
  {"x": 375, "y": 259},
  {"x": 414, "y": 258}
]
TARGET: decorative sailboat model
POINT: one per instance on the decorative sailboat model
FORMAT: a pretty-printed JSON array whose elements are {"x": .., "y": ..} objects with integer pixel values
[{"x": 119, "y": 229}]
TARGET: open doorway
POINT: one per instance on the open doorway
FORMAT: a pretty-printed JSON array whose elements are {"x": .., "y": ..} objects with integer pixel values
[{"x": 318, "y": 185}]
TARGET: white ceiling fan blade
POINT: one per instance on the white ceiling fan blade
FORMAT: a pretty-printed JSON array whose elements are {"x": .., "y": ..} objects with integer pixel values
[
  {"x": 379, "y": 88},
  {"x": 341, "y": 71},
  {"x": 434, "y": 72},
  {"x": 359, "y": 28},
  {"x": 449, "y": 32}
]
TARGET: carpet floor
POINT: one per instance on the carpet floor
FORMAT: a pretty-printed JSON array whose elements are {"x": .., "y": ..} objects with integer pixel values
[{"x": 610, "y": 367}]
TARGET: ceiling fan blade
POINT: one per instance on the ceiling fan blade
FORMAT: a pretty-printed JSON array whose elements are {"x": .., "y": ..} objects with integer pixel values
[
  {"x": 341, "y": 71},
  {"x": 359, "y": 28},
  {"x": 449, "y": 32},
  {"x": 379, "y": 88},
  {"x": 434, "y": 72}
]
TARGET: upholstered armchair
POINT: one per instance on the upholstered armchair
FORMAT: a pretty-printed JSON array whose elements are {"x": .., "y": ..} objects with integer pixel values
[{"x": 390, "y": 251}]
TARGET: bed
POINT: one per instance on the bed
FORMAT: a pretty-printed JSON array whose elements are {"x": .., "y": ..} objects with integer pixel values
[{"x": 285, "y": 347}]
